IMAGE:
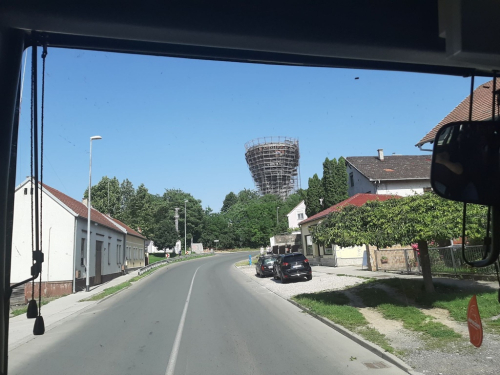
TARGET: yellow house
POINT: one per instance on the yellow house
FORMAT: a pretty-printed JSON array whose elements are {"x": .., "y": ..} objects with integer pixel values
[
  {"x": 333, "y": 255},
  {"x": 133, "y": 254}
]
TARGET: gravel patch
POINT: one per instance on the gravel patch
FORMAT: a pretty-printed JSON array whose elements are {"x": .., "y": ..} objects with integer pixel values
[{"x": 320, "y": 282}]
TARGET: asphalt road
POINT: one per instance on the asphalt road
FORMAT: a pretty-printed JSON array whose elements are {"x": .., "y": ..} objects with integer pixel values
[{"x": 219, "y": 322}]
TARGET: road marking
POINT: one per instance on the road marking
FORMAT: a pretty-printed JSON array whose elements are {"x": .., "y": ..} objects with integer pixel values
[{"x": 178, "y": 336}]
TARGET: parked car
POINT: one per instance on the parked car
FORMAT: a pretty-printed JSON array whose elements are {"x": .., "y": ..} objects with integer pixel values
[
  {"x": 292, "y": 266},
  {"x": 264, "y": 266}
]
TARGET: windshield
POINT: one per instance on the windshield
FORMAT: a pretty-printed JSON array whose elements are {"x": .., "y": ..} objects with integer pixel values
[{"x": 196, "y": 169}]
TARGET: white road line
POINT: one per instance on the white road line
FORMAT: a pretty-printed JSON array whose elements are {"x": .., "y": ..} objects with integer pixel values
[{"x": 178, "y": 336}]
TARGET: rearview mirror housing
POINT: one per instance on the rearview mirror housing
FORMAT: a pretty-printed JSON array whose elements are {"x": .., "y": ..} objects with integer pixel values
[{"x": 466, "y": 162}]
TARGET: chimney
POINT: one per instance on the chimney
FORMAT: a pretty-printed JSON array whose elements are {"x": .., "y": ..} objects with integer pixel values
[
  {"x": 381, "y": 154},
  {"x": 84, "y": 201}
]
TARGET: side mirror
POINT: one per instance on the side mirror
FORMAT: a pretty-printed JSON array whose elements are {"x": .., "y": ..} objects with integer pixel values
[
  {"x": 466, "y": 168},
  {"x": 466, "y": 162}
]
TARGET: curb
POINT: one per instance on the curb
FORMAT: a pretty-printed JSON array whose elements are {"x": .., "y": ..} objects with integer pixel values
[{"x": 375, "y": 349}]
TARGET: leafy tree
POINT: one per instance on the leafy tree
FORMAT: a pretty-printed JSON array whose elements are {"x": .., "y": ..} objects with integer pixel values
[
  {"x": 341, "y": 187},
  {"x": 328, "y": 181},
  {"x": 313, "y": 196},
  {"x": 230, "y": 200},
  {"x": 164, "y": 234},
  {"x": 414, "y": 219},
  {"x": 106, "y": 196},
  {"x": 127, "y": 192}
]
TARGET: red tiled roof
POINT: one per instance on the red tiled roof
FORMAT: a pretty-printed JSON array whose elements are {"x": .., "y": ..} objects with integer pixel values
[
  {"x": 127, "y": 228},
  {"x": 481, "y": 110},
  {"x": 356, "y": 200},
  {"x": 80, "y": 209}
]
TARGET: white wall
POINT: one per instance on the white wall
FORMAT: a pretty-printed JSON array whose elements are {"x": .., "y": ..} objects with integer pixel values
[
  {"x": 361, "y": 183},
  {"x": 293, "y": 216},
  {"x": 403, "y": 188},
  {"x": 110, "y": 239},
  {"x": 58, "y": 227}
]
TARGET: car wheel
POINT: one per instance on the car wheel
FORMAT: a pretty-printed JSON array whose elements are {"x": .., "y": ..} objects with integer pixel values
[
  {"x": 283, "y": 280},
  {"x": 309, "y": 277}
]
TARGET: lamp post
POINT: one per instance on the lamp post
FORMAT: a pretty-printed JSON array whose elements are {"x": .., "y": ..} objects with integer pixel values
[
  {"x": 185, "y": 236},
  {"x": 277, "y": 209},
  {"x": 87, "y": 266}
]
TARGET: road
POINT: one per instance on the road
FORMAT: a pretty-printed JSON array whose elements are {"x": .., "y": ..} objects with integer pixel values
[{"x": 197, "y": 317}]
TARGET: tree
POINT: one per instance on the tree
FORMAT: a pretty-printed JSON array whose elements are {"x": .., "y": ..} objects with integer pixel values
[
  {"x": 127, "y": 192},
  {"x": 164, "y": 234},
  {"x": 328, "y": 182},
  {"x": 313, "y": 196},
  {"x": 341, "y": 187},
  {"x": 230, "y": 200},
  {"x": 106, "y": 196},
  {"x": 414, "y": 219}
]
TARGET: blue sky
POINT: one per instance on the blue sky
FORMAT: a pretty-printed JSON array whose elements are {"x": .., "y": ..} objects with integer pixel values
[{"x": 180, "y": 123}]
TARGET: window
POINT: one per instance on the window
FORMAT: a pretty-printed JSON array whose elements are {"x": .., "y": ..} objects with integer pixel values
[
  {"x": 109, "y": 253},
  {"x": 118, "y": 250},
  {"x": 82, "y": 252},
  {"x": 351, "y": 178},
  {"x": 309, "y": 245},
  {"x": 25, "y": 191},
  {"x": 300, "y": 216}
]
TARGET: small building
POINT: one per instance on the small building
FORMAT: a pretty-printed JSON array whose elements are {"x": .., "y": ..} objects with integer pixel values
[
  {"x": 296, "y": 215},
  {"x": 135, "y": 247},
  {"x": 401, "y": 175},
  {"x": 64, "y": 243},
  {"x": 334, "y": 255}
]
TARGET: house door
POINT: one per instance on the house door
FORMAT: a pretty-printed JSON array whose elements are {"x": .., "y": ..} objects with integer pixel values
[{"x": 98, "y": 262}]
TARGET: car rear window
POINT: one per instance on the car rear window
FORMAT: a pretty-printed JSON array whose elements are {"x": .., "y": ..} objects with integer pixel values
[
  {"x": 269, "y": 261},
  {"x": 295, "y": 258}
]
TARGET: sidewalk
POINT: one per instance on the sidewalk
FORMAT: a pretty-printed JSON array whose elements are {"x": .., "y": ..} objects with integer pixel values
[
  {"x": 21, "y": 328},
  {"x": 358, "y": 272}
]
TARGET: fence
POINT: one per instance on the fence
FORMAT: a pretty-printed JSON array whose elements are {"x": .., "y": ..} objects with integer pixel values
[{"x": 443, "y": 260}]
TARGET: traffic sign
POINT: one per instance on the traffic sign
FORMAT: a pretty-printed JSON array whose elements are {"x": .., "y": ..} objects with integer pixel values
[{"x": 474, "y": 323}]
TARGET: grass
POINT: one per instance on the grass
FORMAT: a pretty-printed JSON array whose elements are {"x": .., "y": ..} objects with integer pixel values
[
  {"x": 108, "y": 291},
  {"x": 153, "y": 258},
  {"x": 335, "y": 307},
  {"x": 24, "y": 309},
  {"x": 449, "y": 298},
  {"x": 411, "y": 317},
  {"x": 255, "y": 259}
]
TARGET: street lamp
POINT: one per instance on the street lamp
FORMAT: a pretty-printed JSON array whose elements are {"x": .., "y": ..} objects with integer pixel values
[
  {"x": 277, "y": 208},
  {"x": 185, "y": 247},
  {"x": 87, "y": 267}
]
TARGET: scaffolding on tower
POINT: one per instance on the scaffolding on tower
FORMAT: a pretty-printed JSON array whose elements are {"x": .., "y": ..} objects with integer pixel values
[{"x": 274, "y": 165}]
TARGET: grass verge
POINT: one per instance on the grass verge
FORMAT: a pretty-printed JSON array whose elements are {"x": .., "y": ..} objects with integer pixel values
[
  {"x": 108, "y": 291},
  {"x": 24, "y": 309},
  {"x": 450, "y": 298},
  {"x": 255, "y": 259},
  {"x": 411, "y": 317},
  {"x": 335, "y": 307}
]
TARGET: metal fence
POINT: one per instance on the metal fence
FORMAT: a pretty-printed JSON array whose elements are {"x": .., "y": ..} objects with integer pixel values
[{"x": 443, "y": 260}]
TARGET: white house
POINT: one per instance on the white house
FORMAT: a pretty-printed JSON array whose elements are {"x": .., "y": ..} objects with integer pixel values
[
  {"x": 334, "y": 255},
  {"x": 297, "y": 215},
  {"x": 64, "y": 243},
  {"x": 401, "y": 175}
]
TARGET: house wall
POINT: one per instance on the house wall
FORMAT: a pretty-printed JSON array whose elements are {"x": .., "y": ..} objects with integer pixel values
[
  {"x": 58, "y": 230},
  {"x": 332, "y": 255},
  {"x": 403, "y": 188},
  {"x": 293, "y": 216},
  {"x": 135, "y": 252},
  {"x": 112, "y": 241},
  {"x": 361, "y": 183}
]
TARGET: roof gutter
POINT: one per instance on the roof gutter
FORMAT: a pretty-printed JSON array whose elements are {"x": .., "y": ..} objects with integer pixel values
[{"x": 423, "y": 149}]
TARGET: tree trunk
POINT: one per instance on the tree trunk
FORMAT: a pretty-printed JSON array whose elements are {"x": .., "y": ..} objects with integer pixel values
[{"x": 425, "y": 263}]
